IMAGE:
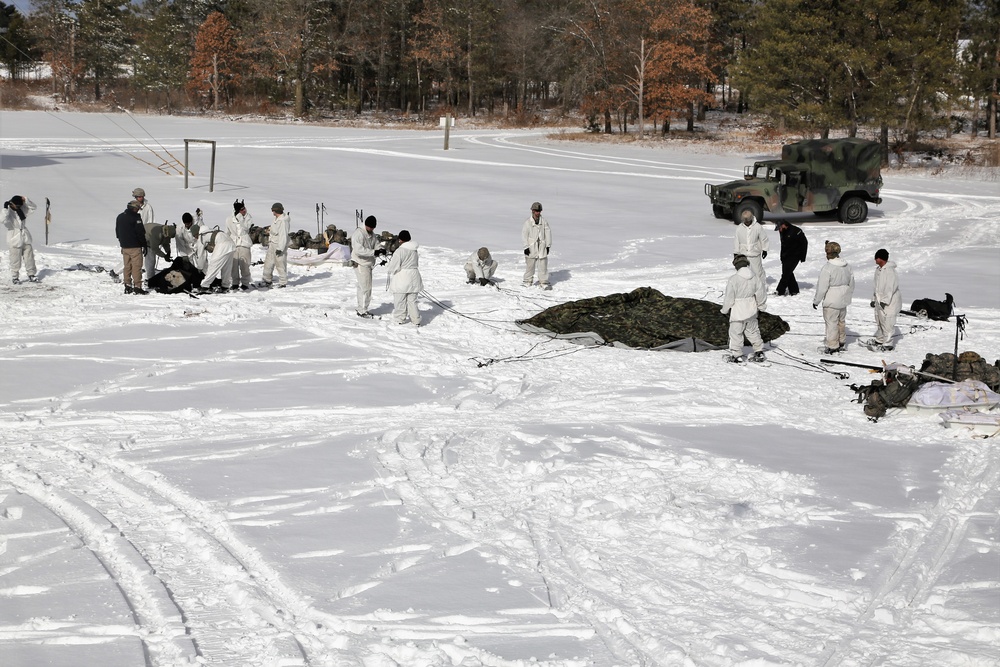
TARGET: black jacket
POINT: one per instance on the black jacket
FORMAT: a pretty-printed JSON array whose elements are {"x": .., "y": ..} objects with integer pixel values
[
  {"x": 129, "y": 229},
  {"x": 793, "y": 244}
]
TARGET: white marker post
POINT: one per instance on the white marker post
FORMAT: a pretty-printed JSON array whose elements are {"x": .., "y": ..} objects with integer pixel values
[{"x": 447, "y": 122}]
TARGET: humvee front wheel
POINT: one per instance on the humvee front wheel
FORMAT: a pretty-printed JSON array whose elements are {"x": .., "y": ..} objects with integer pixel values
[
  {"x": 719, "y": 212},
  {"x": 853, "y": 210},
  {"x": 749, "y": 205}
]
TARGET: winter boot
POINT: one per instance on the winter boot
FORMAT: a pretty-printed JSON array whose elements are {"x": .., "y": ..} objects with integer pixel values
[
  {"x": 733, "y": 358},
  {"x": 757, "y": 357}
]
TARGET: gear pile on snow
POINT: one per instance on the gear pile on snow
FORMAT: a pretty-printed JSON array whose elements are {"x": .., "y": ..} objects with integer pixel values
[
  {"x": 645, "y": 318},
  {"x": 893, "y": 391},
  {"x": 968, "y": 365},
  {"x": 180, "y": 276},
  {"x": 975, "y": 383}
]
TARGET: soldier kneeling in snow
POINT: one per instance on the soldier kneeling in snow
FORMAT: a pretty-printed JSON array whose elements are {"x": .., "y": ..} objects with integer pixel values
[
  {"x": 481, "y": 267},
  {"x": 745, "y": 297}
]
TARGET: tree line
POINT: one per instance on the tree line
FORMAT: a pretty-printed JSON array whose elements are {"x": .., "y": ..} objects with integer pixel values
[{"x": 904, "y": 66}]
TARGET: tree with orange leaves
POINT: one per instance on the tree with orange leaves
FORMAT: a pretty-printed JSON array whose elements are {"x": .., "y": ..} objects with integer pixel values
[
  {"x": 217, "y": 60},
  {"x": 680, "y": 64}
]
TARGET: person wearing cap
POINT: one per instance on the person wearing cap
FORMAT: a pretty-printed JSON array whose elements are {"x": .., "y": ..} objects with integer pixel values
[
  {"x": 536, "y": 235},
  {"x": 132, "y": 240},
  {"x": 744, "y": 298},
  {"x": 363, "y": 249},
  {"x": 277, "y": 247},
  {"x": 15, "y": 212},
  {"x": 404, "y": 280},
  {"x": 834, "y": 289},
  {"x": 220, "y": 248},
  {"x": 481, "y": 267},
  {"x": 794, "y": 246},
  {"x": 887, "y": 302},
  {"x": 238, "y": 227},
  {"x": 750, "y": 240},
  {"x": 148, "y": 220}
]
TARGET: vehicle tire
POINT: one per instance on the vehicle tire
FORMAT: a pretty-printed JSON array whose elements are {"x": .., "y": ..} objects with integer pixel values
[
  {"x": 719, "y": 212},
  {"x": 749, "y": 205},
  {"x": 853, "y": 210}
]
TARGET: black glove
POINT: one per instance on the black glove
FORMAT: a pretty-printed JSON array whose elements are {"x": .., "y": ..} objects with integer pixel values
[
  {"x": 884, "y": 305},
  {"x": 814, "y": 306},
  {"x": 169, "y": 258},
  {"x": 279, "y": 253},
  {"x": 379, "y": 252},
  {"x": 547, "y": 250},
  {"x": 872, "y": 303},
  {"x": 763, "y": 254},
  {"x": 526, "y": 252}
]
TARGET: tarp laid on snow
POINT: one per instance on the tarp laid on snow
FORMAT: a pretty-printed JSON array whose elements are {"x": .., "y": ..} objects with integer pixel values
[
  {"x": 645, "y": 318},
  {"x": 942, "y": 395}
]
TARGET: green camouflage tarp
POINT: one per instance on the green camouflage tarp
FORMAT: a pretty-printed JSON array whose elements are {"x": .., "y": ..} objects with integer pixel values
[{"x": 645, "y": 318}]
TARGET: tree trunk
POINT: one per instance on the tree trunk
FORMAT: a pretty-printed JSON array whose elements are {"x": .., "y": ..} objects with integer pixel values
[
  {"x": 607, "y": 121},
  {"x": 991, "y": 104},
  {"x": 215, "y": 82}
]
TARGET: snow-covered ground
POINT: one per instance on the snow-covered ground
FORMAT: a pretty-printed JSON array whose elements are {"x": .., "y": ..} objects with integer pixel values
[{"x": 266, "y": 479}]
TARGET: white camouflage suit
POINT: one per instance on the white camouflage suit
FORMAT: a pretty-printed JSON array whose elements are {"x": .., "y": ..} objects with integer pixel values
[
  {"x": 745, "y": 296},
  {"x": 536, "y": 236},
  {"x": 277, "y": 250},
  {"x": 405, "y": 282},
  {"x": 238, "y": 228},
  {"x": 835, "y": 290},
  {"x": 751, "y": 241},
  {"x": 363, "y": 255},
  {"x": 480, "y": 268},
  {"x": 149, "y": 259},
  {"x": 187, "y": 245},
  {"x": 888, "y": 301},
  {"x": 19, "y": 240},
  {"x": 220, "y": 259}
]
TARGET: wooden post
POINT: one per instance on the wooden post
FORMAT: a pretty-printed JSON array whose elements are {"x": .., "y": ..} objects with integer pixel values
[
  {"x": 211, "y": 172},
  {"x": 447, "y": 128}
]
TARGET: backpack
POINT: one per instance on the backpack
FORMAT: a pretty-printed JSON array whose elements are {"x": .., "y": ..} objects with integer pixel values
[
  {"x": 894, "y": 392},
  {"x": 935, "y": 310}
]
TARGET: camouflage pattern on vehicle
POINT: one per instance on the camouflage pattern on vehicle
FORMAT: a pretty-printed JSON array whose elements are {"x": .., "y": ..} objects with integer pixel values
[
  {"x": 647, "y": 318},
  {"x": 817, "y": 175}
]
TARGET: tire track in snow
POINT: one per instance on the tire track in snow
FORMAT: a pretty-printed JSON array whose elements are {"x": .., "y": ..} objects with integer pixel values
[
  {"x": 159, "y": 623},
  {"x": 926, "y": 549},
  {"x": 234, "y": 607},
  {"x": 585, "y": 568}
]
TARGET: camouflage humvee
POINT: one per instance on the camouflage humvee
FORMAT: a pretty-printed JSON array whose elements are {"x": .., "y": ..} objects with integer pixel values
[{"x": 818, "y": 175}]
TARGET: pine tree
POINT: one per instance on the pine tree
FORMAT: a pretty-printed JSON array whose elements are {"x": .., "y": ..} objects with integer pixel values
[
  {"x": 164, "y": 48},
  {"x": 17, "y": 46},
  {"x": 104, "y": 40},
  {"x": 980, "y": 62}
]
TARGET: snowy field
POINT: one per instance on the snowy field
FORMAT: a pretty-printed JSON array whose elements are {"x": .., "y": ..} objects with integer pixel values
[{"x": 264, "y": 479}]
